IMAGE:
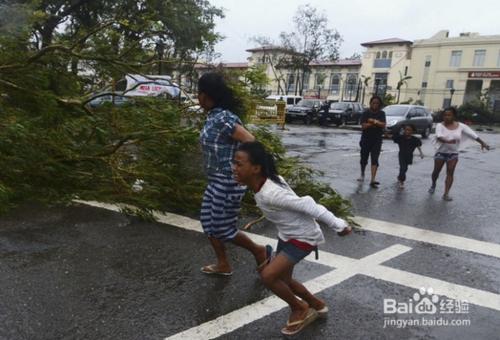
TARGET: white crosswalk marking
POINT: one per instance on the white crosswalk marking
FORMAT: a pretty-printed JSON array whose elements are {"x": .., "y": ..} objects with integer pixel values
[
  {"x": 346, "y": 268},
  {"x": 429, "y": 236},
  {"x": 243, "y": 316}
]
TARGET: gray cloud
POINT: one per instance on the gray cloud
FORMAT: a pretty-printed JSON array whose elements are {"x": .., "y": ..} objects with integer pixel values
[{"x": 357, "y": 20}]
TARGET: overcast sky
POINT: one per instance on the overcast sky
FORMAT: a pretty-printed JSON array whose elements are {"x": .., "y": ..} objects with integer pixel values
[{"x": 356, "y": 20}]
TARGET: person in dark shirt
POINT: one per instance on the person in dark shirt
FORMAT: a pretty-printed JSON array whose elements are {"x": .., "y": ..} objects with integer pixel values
[
  {"x": 407, "y": 145},
  {"x": 372, "y": 124}
]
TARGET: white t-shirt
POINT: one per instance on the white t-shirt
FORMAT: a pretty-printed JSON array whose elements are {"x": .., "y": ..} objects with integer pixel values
[
  {"x": 459, "y": 135},
  {"x": 295, "y": 217}
]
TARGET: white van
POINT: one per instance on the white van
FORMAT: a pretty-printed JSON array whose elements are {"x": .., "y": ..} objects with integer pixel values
[
  {"x": 290, "y": 100},
  {"x": 136, "y": 85}
]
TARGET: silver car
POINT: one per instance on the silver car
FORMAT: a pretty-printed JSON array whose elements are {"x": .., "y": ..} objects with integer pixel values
[{"x": 398, "y": 116}]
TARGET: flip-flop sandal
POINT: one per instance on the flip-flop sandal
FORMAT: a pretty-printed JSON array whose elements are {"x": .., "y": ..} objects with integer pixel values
[
  {"x": 311, "y": 315},
  {"x": 323, "y": 312},
  {"x": 211, "y": 270},
  {"x": 269, "y": 254}
]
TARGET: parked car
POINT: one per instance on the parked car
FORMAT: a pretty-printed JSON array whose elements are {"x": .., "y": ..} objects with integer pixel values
[
  {"x": 306, "y": 110},
  {"x": 289, "y": 100},
  {"x": 342, "y": 113},
  {"x": 100, "y": 100},
  {"x": 399, "y": 115}
]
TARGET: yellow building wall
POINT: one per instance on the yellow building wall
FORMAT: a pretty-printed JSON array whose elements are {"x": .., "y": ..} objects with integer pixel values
[
  {"x": 439, "y": 52},
  {"x": 400, "y": 61}
]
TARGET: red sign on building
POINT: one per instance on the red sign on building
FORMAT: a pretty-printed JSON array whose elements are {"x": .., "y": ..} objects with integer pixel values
[{"x": 484, "y": 74}]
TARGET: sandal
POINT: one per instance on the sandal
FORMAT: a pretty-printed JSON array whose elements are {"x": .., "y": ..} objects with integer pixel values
[
  {"x": 374, "y": 184},
  {"x": 269, "y": 254},
  {"x": 323, "y": 312},
  {"x": 212, "y": 270},
  {"x": 299, "y": 325}
]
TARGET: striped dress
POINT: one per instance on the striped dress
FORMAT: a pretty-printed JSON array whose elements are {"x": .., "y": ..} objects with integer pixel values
[{"x": 223, "y": 195}]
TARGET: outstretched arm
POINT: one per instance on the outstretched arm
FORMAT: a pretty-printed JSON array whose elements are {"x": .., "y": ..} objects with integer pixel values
[
  {"x": 306, "y": 205},
  {"x": 483, "y": 144}
]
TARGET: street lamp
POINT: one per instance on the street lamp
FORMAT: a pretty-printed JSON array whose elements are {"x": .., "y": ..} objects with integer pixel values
[
  {"x": 319, "y": 91},
  {"x": 452, "y": 91}
]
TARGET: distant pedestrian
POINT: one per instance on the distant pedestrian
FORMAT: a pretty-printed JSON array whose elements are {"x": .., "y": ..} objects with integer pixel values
[
  {"x": 407, "y": 144},
  {"x": 220, "y": 137},
  {"x": 373, "y": 124},
  {"x": 298, "y": 232},
  {"x": 449, "y": 135}
]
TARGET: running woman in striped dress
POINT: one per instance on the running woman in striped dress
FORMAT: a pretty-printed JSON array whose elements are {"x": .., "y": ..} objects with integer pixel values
[{"x": 220, "y": 138}]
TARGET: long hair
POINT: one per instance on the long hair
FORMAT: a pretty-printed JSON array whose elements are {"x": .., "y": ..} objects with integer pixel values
[
  {"x": 213, "y": 85},
  {"x": 258, "y": 155}
]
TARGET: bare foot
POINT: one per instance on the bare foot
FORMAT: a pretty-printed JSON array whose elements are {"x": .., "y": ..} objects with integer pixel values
[
  {"x": 447, "y": 198},
  {"x": 317, "y": 304}
]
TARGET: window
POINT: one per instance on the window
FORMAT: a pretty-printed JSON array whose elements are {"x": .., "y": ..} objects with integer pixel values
[
  {"x": 479, "y": 56},
  {"x": 390, "y": 55},
  {"x": 406, "y": 70},
  {"x": 378, "y": 55},
  {"x": 384, "y": 55},
  {"x": 291, "y": 82},
  {"x": 382, "y": 63},
  {"x": 319, "y": 79},
  {"x": 307, "y": 76},
  {"x": 428, "y": 61},
  {"x": 449, "y": 84},
  {"x": 352, "y": 79},
  {"x": 456, "y": 58},
  {"x": 420, "y": 112},
  {"x": 498, "y": 59},
  {"x": 351, "y": 86},
  {"x": 335, "y": 83},
  {"x": 424, "y": 84},
  {"x": 380, "y": 82}
]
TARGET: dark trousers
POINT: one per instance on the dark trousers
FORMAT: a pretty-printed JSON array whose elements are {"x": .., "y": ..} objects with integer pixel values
[
  {"x": 404, "y": 161},
  {"x": 370, "y": 149}
]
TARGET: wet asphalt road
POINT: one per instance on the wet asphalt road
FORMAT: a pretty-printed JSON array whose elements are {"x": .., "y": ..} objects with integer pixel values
[{"x": 85, "y": 273}]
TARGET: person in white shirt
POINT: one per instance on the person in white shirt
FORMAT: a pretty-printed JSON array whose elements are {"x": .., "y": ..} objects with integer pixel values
[
  {"x": 449, "y": 135},
  {"x": 298, "y": 231}
]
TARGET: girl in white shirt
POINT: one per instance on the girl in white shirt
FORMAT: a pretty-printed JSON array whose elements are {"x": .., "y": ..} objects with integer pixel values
[
  {"x": 449, "y": 135},
  {"x": 298, "y": 232}
]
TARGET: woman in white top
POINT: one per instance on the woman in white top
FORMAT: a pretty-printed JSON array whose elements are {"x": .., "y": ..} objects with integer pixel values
[
  {"x": 449, "y": 135},
  {"x": 299, "y": 234}
]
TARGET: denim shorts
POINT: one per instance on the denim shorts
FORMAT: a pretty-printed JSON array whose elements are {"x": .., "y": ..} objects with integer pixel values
[
  {"x": 442, "y": 156},
  {"x": 291, "y": 251}
]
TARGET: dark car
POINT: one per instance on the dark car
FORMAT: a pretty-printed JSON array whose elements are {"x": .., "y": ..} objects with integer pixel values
[
  {"x": 342, "y": 113},
  {"x": 399, "y": 115},
  {"x": 305, "y": 110}
]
